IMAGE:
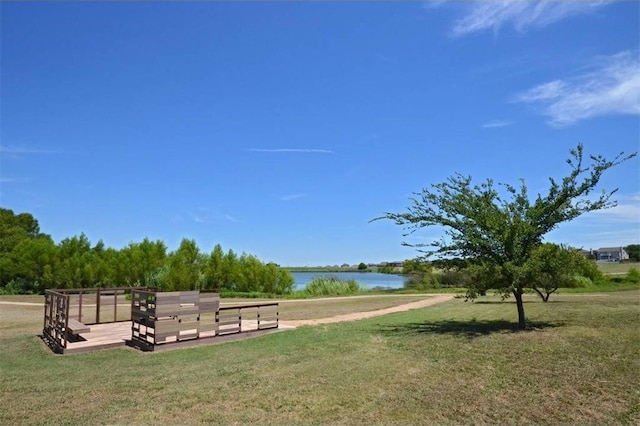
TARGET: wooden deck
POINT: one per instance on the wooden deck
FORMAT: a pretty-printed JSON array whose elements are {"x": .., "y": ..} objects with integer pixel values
[
  {"x": 102, "y": 336},
  {"x": 81, "y": 320},
  {"x": 118, "y": 334}
]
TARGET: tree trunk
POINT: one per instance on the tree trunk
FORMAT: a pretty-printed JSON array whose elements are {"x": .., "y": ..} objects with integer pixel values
[{"x": 521, "y": 321}]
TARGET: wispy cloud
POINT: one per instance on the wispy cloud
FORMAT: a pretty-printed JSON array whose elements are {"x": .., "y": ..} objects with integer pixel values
[
  {"x": 522, "y": 15},
  {"x": 231, "y": 218},
  {"x": 291, "y": 197},
  {"x": 207, "y": 215},
  {"x": 496, "y": 123},
  {"x": 13, "y": 180},
  {"x": 22, "y": 150},
  {"x": 611, "y": 86},
  {"x": 299, "y": 150},
  {"x": 617, "y": 226}
]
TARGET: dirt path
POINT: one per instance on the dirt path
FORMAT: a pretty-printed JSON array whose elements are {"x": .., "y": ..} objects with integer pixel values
[
  {"x": 370, "y": 314},
  {"x": 430, "y": 300}
]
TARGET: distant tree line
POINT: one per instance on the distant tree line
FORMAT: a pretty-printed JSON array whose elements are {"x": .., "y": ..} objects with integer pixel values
[{"x": 30, "y": 262}]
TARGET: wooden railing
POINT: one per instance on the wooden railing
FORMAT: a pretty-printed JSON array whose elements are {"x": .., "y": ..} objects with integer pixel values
[
  {"x": 239, "y": 319},
  {"x": 87, "y": 306},
  {"x": 56, "y": 315},
  {"x": 158, "y": 318}
]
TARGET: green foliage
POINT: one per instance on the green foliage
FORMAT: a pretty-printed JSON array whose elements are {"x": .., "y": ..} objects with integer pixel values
[
  {"x": 416, "y": 266},
  {"x": 633, "y": 250},
  {"x": 633, "y": 276},
  {"x": 551, "y": 266},
  {"x": 497, "y": 230},
  {"x": 386, "y": 269},
  {"x": 454, "y": 278},
  {"x": 332, "y": 286},
  {"x": 422, "y": 281},
  {"x": 362, "y": 266},
  {"x": 31, "y": 262}
]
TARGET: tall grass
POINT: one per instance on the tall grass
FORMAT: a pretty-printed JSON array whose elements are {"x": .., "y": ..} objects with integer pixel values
[{"x": 332, "y": 286}]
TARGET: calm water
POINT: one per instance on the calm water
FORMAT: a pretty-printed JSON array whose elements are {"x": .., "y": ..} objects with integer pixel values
[{"x": 367, "y": 279}]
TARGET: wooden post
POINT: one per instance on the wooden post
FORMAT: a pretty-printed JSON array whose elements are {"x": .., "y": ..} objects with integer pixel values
[
  {"x": 98, "y": 306},
  {"x": 115, "y": 305},
  {"x": 80, "y": 306},
  {"x": 66, "y": 320}
]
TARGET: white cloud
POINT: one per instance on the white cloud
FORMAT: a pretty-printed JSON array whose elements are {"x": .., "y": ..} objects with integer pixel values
[
  {"x": 617, "y": 226},
  {"x": 291, "y": 197},
  {"x": 301, "y": 150},
  {"x": 610, "y": 87},
  {"x": 496, "y": 123},
  {"x": 522, "y": 15},
  {"x": 627, "y": 211}
]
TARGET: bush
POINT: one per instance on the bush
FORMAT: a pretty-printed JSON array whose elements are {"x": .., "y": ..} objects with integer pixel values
[
  {"x": 451, "y": 278},
  {"x": 332, "y": 286},
  {"x": 422, "y": 281},
  {"x": 580, "y": 281},
  {"x": 633, "y": 275}
]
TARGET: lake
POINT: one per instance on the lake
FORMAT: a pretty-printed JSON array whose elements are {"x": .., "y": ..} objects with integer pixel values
[{"x": 367, "y": 279}]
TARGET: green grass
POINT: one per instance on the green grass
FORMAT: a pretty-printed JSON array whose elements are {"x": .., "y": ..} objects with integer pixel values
[
  {"x": 457, "y": 362},
  {"x": 617, "y": 268}
]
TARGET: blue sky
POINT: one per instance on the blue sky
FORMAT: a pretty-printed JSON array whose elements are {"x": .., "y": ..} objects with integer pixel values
[{"x": 280, "y": 129}]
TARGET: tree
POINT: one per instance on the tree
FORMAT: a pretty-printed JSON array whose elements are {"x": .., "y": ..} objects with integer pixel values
[
  {"x": 362, "y": 266},
  {"x": 184, "y": 267},
  {"x": 498, "y": 230},
  {"x": 633, "y": 251},
  {"x": 553, "y": 266}
]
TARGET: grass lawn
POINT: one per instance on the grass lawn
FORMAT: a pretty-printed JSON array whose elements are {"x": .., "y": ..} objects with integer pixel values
[
  {"x": 458, "y": 362},
  {"x": 617, "y": 268}
]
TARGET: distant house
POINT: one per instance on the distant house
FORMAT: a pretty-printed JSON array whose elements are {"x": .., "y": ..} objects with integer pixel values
[{"x": 611, "y": 254}]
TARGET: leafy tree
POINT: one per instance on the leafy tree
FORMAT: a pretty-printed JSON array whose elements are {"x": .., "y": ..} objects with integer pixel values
[
  {"x": 498, "y": 230},
  {"x": 553, "y": 266},
  {"x": 230, "y": 271},
  {"x": 633, "y": 251},
  {"x": 143, "y": 261},
  {"x": 73, "y": 270},
  {"x": 214, "y": 275},
  {"x": 184, "y": 267},
  {"x": 362, "y": 266},
  {"x": 16, "y": 228},
  {"x": 416, "y": 266},
  {"x": 28, "y": 265}
]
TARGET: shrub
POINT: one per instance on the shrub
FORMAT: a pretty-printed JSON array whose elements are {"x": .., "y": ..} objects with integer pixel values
[
  {"x": 633, "y": 275},
  {"x": 422, "y": 281},
  {"x": 332, "y": 286},
  {"x": 580, "y": 281},
  {"x": 451, "y": 278}
]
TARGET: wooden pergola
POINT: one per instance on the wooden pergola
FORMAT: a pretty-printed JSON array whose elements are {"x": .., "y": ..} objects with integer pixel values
[{"x": 79, "y": 320}]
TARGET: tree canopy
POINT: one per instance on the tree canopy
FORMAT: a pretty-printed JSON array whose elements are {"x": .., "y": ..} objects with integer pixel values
[
  {"x": 497, "y": 227},
  {"x": 30, "y": 262},
  {"x": 633, "y": 250}
]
